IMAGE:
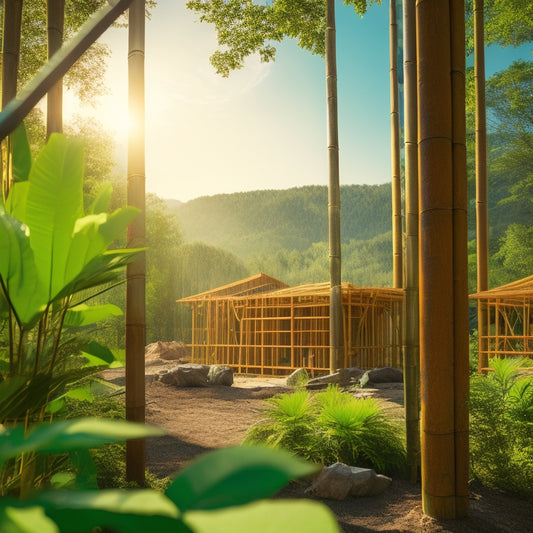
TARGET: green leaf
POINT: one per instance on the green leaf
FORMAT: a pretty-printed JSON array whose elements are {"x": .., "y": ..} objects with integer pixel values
[
  {"x": 21, "y": 154},
  {"x": 98, "y": 355},
  {"x": 30, "y": 519},
  {"x": 55, "y": 202},
  {"x": 102, "y": 201},
  {"x": 235, "y": 476},
  {"x": 129, "y": 511},
  {"x": 19, "y": 272},
  {"x": 266, "y": 517},
  {"x": 63, "y": 480},
  {"x": 82, "y": 393},
  {"x": 66, "y": 435},
  {"x": 84, "y": 315},
  {"x": 16, "y": 201}
]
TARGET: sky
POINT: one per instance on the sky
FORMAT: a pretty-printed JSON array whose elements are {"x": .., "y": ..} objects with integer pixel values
[{"x": 264, "y": 127}]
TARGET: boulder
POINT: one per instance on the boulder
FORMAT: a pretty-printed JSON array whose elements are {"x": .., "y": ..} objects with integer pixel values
[
  {"x": 220, "y": 375},
  {"x": 188, "y": 375},
  {"x": 343, "y": 377},
  {"x": 298, "y": 378},
  {"x": 381, "y": 375},
  {"x": 338, "y": 481},
  {"x": 168, "y": 351}
]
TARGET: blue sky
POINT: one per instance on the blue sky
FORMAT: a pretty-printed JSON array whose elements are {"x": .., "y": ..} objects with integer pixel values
[{"x": 265, "y": 126}]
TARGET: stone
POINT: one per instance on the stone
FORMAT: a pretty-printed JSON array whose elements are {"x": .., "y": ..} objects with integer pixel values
[
  {"x": 220, "y": 375},
  {"x": 187, "y": 375},
  {"x": 381, "y": 375},
  {"x": 338, "y": 481},
  {"x": 167, "y": 351},
  {"x": 343, "y": 377},
  {"x": 298, "y": 378}
]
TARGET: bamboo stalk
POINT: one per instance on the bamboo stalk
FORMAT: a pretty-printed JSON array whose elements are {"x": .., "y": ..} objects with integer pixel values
[
  {"x": 136, "y": 271},
  {"x": 334, "y": 202},
  {"x": 411, "y": 358},
  {"x": 440, "y": 45},
  {"x": 54, "y": 103},
  {"x": 11, "y": 49}
]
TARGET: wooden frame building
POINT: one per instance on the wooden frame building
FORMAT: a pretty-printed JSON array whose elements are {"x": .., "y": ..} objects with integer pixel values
[
  {"x": 261, "y": 326},
  {"x": 507, "y": 330}
]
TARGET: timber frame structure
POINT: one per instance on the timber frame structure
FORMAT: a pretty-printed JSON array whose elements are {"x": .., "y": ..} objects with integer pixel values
[
  {"x": 507, "y": 330},
  {"x": 261, "y": 326}
]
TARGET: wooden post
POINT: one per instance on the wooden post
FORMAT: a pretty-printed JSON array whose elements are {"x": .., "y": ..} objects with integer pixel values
[
  {"x": 443, "y": 257},
  {"x": 411, "y": 354},
  {"x": 54, "y": 102},
  {"x": 136, "y": 272},
  {"x": 334, "y": 197},
  {"x": 397, "y": 277},
  {"x": 11, "y": 49},
  {"x": 482, "y": 212}
]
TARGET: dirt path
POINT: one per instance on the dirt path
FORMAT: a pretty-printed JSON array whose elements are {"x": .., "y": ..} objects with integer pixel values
[{"x": 202, "y": 419}]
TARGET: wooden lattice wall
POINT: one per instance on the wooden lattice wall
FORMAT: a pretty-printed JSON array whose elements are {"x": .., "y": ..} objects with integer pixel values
[
  {"x": 275, "y": 332},
  {"x": 508, "y": 324}
]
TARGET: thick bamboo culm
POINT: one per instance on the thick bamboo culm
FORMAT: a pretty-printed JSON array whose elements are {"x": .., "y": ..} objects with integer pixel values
[
  {"x": 274, "y": 333},
  {"x": 54, "y": 100},
  {"x": 443, "y": 258},
  {"x": 507, "y": 326}
]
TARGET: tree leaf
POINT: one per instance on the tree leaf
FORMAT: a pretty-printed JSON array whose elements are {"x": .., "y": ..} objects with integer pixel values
[
  {"x": 55, "y": 202},
  {"x": 84, "y": 315},
  {"x": 102, "y": 201},
  {"x": 98, "y": 355},
  {"x": 235, "y": 476},
  {"x": 30, "y": 519},
  {"x": 66, "y": 435},
  {"x": 266, "y": 517},
  {"x": 22, "y": 159}
]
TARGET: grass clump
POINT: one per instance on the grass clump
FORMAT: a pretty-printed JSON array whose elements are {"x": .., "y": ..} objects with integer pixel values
[
  {"x": 501, "y": 428},
  {"x": 331, "y": 426}
]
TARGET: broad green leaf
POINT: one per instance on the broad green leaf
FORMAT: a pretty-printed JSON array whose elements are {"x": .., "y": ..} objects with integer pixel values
[
  {"x": 63, "y": 480},
  {"x": 84, "y": 315},
  {"x": 235, "y": 476},
  {"x": 82, "y": 393},
  {"x": 30, "y": 519},
  {"x": 102, "y": 201},
  {"x": 123, "y": 511},
  {"x": 98, "y": 355},
  {"x": 55, "y": 202},
  {"x": 292, "y": 516},
  {"x": 67, "y": 435},
  {"x": 16, "y": 201},
  {"x": 18, "y": 271},
  {"x": 21, "y": 154}
]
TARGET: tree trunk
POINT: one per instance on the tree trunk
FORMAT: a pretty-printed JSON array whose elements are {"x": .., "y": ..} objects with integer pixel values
[
  {"x": 482, "y": 214},
  {"x": 411, "y": 357},
  {"x": 443, "y": 257},
  {"x": 136, "y": 271},
  {"x": 54, "y": 113},
  {"x": 335, "y": 320},
  {"x": 397, "y": 277}
]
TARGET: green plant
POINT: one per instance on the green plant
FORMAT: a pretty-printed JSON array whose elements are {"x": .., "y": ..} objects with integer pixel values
[
  {"x": 501, "y": 427},
  {"x": 331, "y": 426},
  {"x": 54, "y": 256},
  {"x": 218, "y": 492}
]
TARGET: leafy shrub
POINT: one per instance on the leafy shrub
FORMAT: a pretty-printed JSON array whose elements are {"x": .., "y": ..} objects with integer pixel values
[
  {"x": 331, "y": 426},
  {"x": 501, "y": 428}
]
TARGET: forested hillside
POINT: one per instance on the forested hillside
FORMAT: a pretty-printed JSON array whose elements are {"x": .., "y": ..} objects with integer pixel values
[{"x": 264, "y": 222}]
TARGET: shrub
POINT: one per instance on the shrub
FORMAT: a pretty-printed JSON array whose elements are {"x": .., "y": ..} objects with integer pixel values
[
  {"x": 331, "y": 426},
  {"x": 501, "y": 428}
]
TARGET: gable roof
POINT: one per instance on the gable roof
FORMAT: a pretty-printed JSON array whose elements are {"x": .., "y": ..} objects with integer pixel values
[{"x": 520, "y": 288}]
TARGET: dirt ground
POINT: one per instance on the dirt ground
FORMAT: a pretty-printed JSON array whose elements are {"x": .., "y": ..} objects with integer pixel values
[{"x": 202, "y": 419}]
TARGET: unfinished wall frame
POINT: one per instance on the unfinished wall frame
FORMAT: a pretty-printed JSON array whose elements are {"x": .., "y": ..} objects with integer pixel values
[{"x": 261, "y": 326}]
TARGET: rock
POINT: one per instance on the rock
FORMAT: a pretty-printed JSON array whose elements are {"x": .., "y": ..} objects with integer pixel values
[
  {"x": 343, "y": 377},
  {"x": 382, "y": 375},
  {"x": 298, "y": 378},
  {"x": 168, "y": 351},
  {"x": 338, "y": 481},
  {"x": 188, "y": 375},
  {"x": 220, "y": 375}
]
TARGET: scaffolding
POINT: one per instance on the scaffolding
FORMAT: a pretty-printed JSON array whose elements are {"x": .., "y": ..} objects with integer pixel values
[
  {"x": 508, "y": 324},
  {"x": 257, "y": 328}
]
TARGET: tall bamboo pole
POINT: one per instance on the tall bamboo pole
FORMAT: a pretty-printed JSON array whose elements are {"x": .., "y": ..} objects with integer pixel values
[
  {"x": 334, "y": 201},
  {"x": 443, "y": 257},
  {"x": 482, "y": 213},
  {"x": 397, "y": 277},
  {"x": 11, "y": 49},
  {"x": 411, "y": 356},
  {"x": 54, "y": 103},
  {"x": 136, "y": 272}
]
